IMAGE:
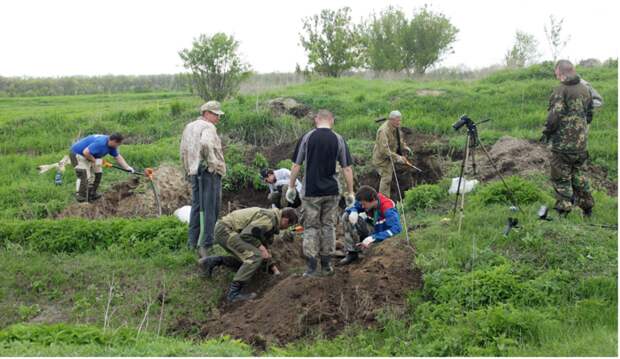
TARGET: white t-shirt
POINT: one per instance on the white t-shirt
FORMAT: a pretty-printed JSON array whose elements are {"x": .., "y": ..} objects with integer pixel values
[{"x": 282, "y": 177}]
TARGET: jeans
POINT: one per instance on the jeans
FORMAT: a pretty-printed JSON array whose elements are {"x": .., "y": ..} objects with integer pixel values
[{"x": 211, "y": 200}]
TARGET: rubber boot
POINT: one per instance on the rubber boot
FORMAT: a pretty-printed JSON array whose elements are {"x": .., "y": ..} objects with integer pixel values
[
  {"x": 311, "y": 270},
  {"x": 93, "y": 195},
  {"x": 207, "y": 264},
  {"x": 350, "y": 258},
  {"x": 326, "y": 266},
  {"x": 82, "y": 193},
  {"x": 587, "y": 212},
  {"x": 234, "y": 293}
]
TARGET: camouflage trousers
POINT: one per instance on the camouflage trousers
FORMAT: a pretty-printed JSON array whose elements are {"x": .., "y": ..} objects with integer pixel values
[
  {"x": 246, "y": 253},
  {"x": 386, "y": 172},
  {"x": 354, "y": 233},
  {"x": 320, "y": 216},
  {"x": 571, "y": 186}
]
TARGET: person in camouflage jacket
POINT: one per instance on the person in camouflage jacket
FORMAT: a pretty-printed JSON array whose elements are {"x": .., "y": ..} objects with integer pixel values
[{"x": 570, "y": 112}]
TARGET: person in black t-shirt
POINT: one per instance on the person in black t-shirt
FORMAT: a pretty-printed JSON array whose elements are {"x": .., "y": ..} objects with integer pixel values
[{"x": 320, "y": 149}]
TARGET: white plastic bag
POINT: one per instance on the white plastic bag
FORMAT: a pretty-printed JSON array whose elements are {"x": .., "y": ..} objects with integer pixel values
[
  {"x": 183, "y": 213},
  {"x": 466, "y": 185}
]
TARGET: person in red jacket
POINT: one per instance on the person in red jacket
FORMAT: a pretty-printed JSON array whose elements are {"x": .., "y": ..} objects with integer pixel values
[{"x": 372, "y": 219}]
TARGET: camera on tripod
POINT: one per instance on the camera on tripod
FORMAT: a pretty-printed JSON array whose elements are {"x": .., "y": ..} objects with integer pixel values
[{"x": 464, "y": 120}]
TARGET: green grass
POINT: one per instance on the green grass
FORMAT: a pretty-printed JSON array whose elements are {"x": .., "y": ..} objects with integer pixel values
[{"x": 547, "y": 289}]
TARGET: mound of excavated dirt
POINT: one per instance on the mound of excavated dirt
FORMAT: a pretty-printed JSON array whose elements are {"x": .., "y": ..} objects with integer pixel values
[
  {"x": 291, "y": 307},
  {"x": 514, "y": 156},
  {"x": 133, "y": 198}
]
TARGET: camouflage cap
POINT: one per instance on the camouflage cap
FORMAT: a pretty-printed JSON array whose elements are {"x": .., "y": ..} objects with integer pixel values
[
  {"x": 212, "y": 106},
  {"x": 394, "y": 114}
]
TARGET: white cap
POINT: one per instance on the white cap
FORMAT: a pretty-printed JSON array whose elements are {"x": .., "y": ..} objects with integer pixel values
[{"x": 394, "y": 114}]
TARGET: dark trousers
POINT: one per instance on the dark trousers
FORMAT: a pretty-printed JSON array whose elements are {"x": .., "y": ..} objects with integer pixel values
[{"x": 211, "y": 201}]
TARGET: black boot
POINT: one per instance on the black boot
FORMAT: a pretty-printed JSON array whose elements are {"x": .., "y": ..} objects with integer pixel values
[
  {"x": 350, "y": 258},
  {"x": 234, "y": 293},
  {"x": 311, "y": 270},
  {"x": 326, "y": 266},
  {"x": 82, "y": 193},
  {"x": 207, "y": 264},
  {"x": 587, "y": 212},
  {"x": 93, "y": 195}
]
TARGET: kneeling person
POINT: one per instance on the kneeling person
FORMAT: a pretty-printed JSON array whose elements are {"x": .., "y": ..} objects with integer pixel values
[
  {"x": 277, "y": 181},
  {"x": 373, "y": 218},
  {"x": 246, "y": 234}
]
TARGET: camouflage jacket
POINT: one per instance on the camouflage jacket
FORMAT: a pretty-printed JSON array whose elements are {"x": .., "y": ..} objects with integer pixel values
[
  {"x": 570, "y": 111},
  {"x": 255, "y": 225},
  {"x": 597, "y": 99},
  {"x": 200, "y": 143},
  {"x": 388, "y": 134}
]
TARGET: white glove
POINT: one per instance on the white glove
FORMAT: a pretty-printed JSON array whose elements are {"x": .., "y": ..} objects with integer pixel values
[
  {"x": 349, "y": 199},
  {"x": 367, "y": 241},
  {"x": 353, "y": 217},
  {"x": 130, "y": 169},
  {"x": 291, "y": 193},
  {"x": 98, "y": 162}
]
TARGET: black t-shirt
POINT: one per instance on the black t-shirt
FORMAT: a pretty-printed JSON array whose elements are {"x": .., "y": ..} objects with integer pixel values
[{"x": 320, "y": 149}]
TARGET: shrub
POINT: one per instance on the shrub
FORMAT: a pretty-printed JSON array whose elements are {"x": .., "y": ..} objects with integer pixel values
[
  {"x": 73, "y": 235},
  {"x": 524, "y": 192},
  {"x": 424, "y": 196}
]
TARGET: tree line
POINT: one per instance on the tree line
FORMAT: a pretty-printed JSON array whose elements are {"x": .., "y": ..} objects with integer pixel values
[{"x": 86, "y": 85}]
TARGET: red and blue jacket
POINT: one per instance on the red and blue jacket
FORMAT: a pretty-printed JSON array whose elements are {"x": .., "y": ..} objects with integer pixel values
[{"x": 384, "y": 217}]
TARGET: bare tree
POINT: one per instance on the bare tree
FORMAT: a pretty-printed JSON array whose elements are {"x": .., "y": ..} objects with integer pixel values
[{"x": 555, "y": 39}]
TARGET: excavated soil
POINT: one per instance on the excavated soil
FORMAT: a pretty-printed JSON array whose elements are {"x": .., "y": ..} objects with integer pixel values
[
  {"x": 289, "y": 307},
  {"x": 513, "y": 156},
  {"x": 133, "y": 198}
]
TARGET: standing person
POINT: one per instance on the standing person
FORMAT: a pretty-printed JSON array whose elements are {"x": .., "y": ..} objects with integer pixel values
[
  {"x": 372, "y": 219},
  {"x": 570, "y": 112},
  {"x": 320, "y": 149},
  {"x": 246, "y": 234},
  {"x": 277, "y": 181},
  {"x": 86, "y": 156},
  {"x": 203, "y": 161},
  {"x": 389, "y": 143}
]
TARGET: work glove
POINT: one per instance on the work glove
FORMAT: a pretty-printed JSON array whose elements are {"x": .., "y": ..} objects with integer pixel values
[
  {"x": 98, "y": 162},
  {"x": 349, "y": 199},
  {"x": 366, "y": 242},
  {"x": 353, "y": 217},
  {"x": 409, "y": 151},
  {"x": 402, "y": 160},
  {"x": 130, "y": 169},
  {"x": 291, "y": 193}
]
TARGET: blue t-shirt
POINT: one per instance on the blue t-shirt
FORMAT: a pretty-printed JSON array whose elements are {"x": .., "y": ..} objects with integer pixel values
[{"x": 97, "y": 146}]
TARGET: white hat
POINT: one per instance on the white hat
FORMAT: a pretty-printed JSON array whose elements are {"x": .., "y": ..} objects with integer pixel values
[{"x": 394, "y": 114}]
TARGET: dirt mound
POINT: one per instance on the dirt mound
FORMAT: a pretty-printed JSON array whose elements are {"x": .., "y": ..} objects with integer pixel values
[
  {"x": 133, "y": 198},
  {"x": 285, "y": 105},
  {"x": 291, "y": 307},
  {"x": 514, "y": 156}
]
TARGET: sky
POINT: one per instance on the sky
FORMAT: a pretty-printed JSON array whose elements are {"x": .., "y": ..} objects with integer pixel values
[{"x": 93, "y": 37}]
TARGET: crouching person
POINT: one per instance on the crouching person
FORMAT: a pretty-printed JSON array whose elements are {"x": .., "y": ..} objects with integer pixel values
[
  {"x": 372, "y": 219},
  {"x": 246, "y": 235}
]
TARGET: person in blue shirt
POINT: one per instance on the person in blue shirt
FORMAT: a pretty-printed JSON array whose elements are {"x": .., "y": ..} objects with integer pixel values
[
  {"x": 373, "y": 218},
  {"x": 87, "y": 158}
]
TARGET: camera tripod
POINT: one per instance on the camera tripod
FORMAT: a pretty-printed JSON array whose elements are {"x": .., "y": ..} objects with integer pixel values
[{"x": 471, "y": 143}]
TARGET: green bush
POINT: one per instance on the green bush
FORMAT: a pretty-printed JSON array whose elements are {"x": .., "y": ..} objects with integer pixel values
[
  {"x": 139, "y": 236},
  {"x": 424, "y": 196},
  {"x": 523, "y": 191},
  {"x": 85, "y": 340}
]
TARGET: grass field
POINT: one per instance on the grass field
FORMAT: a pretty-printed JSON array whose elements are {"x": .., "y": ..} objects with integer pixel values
[{"x": 550, "y": 288}]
